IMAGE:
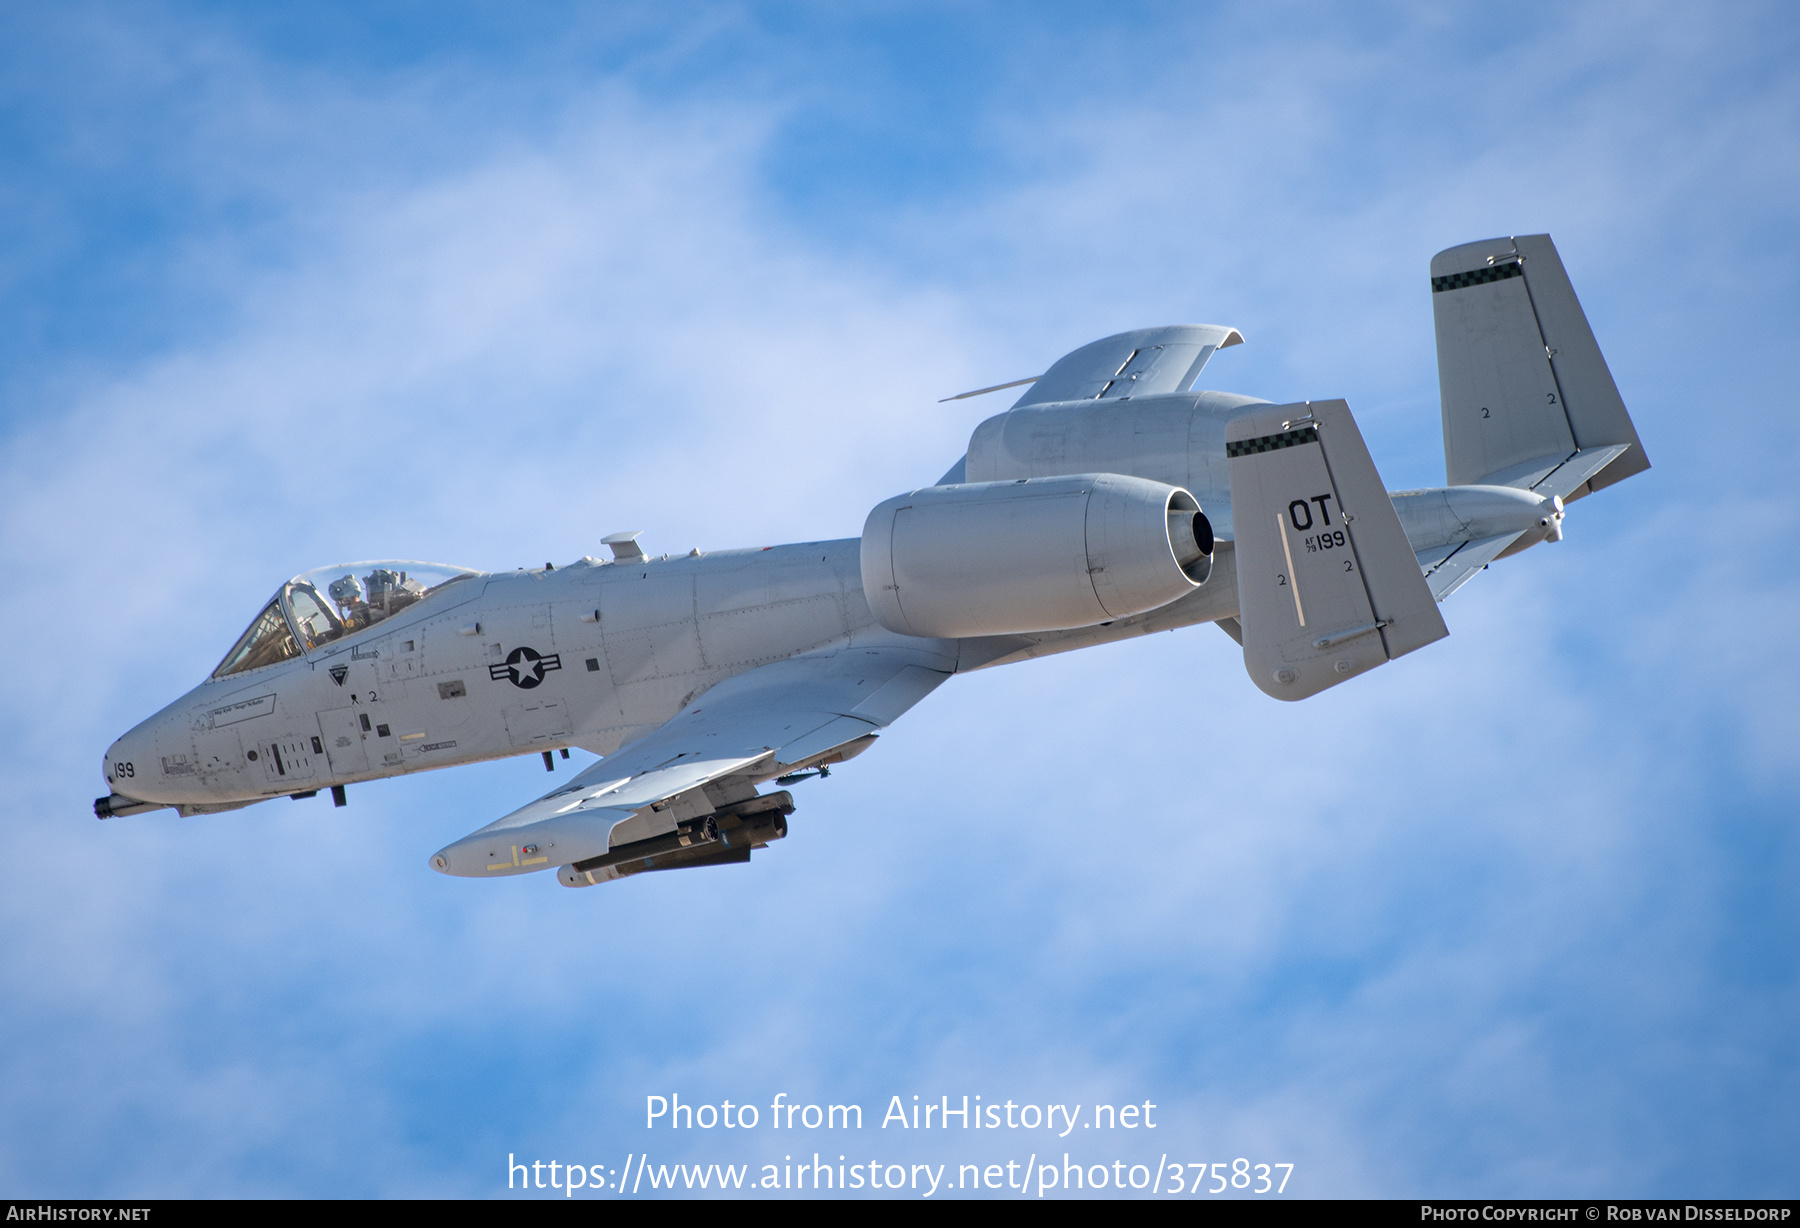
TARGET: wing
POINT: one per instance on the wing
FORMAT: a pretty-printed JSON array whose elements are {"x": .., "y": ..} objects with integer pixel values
[
  {"x": 1134, "y": 364},
  {"x": 751, "y": 727}
]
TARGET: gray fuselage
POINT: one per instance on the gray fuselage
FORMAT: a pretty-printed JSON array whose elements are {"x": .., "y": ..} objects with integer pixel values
[{"x": 620, "y": 647}]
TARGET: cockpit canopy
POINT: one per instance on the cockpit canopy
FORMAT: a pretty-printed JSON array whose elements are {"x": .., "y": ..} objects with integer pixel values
[{"x": 329, "y": 603}]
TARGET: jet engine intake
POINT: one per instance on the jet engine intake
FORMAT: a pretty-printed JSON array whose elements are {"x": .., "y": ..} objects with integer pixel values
[{"x": 1033, "y": 554}]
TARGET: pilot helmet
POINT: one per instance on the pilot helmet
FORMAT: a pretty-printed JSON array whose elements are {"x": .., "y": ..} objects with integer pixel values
[{"x": 346, "y": 590}]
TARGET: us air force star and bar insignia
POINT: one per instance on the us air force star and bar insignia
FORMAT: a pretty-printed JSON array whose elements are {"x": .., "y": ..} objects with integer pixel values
[{"x": 525, "y": 667}]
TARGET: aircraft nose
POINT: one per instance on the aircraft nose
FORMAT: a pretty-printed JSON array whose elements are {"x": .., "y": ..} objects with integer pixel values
[
  {"x": 127, "y": 771},
  {"x": 127, "y": 759}
]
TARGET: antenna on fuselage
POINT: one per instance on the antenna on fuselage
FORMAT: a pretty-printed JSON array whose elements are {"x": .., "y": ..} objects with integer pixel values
[
  {"x": 963, "y": 396},
  {"x": 625, "y": 547}
]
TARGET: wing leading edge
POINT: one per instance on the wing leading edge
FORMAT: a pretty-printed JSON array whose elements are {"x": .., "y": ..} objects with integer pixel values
[{"x": 705, "y": 761}]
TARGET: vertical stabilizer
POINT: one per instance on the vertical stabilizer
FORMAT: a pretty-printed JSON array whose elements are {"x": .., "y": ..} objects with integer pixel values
[
  {"x": 1528, "y": 400},
  {"x": 1328, "y": 586}
]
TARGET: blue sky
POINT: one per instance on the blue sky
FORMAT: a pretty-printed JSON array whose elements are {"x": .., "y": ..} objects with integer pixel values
[{"x": 1514, "y": 916}]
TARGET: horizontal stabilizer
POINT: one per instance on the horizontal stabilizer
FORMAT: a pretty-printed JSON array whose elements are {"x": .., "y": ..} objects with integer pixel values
[
  {"x": 1524, "y": 386},
  {"x": 1328, "y": 586},
  {"x": 1448, "y": 568},
  {"x": 1564, "y": 475},
  {"x": 1458, "y": 530}
]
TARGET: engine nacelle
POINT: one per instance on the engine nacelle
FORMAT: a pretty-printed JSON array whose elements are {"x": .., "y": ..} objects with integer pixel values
[
  {"x": 1174, "y": 438},
  {"x": 1038, "y": 554}
]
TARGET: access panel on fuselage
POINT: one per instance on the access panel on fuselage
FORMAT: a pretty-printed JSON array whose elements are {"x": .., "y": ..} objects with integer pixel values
[
  {"x": 286, "y": 759},
  {"x": 647, "y": 624},
  {"x": 765, "y": 606},
  {"x": 537, "y": 721},
  {"x": 345, "y": 741}
]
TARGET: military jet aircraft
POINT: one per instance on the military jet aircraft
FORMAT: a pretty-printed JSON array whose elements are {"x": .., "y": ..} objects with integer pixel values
[{"x": 1110, "y": 501}]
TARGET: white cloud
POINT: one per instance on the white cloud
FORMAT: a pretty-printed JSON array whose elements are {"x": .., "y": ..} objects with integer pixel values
[{"x": 1454, "y": 927}]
